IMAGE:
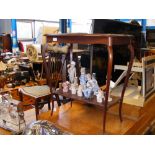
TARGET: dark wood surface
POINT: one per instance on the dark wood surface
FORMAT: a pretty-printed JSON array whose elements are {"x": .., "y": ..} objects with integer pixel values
[
  {"x": 82, "y": 38},
  {"x": 92, "y": 100},
  {"x": 88, "y": 35}
]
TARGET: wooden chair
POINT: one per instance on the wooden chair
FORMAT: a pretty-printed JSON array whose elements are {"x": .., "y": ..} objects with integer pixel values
[
  {"x": 40, "y": 94},
  {"x": 53, "y": 64}
]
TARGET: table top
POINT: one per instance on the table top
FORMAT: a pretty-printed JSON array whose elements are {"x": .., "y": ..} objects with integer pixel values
[
  {"x": 83, "y": 38},
  {"x": 88, "y": 35}
]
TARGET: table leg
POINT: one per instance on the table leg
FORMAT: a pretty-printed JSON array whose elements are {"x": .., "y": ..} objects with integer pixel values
[
  {"x": 126, "y": 79},
  {"x": 71, "y": 52},
  {"x": 91, "y": 59},
  {"x": 52, "y": 107},
  {"x": 109, "y": 71},
  {"x": 77, "y": 64}
]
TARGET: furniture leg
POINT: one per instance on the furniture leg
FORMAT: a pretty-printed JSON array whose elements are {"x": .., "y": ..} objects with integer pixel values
[
  {"x": 110, "y": 61},
  {"x": 91, "y": 59},
  {"x": 52, "y": 107},
  {"x": 49, "y": 105},
  {"x": 126, "y": 79},
  {"x": 58, "y": 100},
  {"x": 77, "y": 64},
  {"x": 36, "y": 109}
]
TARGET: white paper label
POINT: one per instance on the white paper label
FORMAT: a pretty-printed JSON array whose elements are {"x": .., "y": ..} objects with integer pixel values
[{"x": 54, "y": 39}]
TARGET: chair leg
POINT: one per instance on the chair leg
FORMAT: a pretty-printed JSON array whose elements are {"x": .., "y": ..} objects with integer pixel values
[
  {"x": 120, "y": 111},
  {"x": 49, "y": 105},
  {"x": 36, "y": 110},
  {"x": 58, "y": 100},
  {"x": 52, "y": 107}
]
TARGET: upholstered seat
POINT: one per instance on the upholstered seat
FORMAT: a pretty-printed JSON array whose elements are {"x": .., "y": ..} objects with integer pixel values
[
  {"x": 40, "y": 94},
  {"x": 36, "y": 91}
]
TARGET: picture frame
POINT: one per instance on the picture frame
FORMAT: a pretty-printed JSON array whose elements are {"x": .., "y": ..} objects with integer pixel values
[{"x": 149, "y": 75}]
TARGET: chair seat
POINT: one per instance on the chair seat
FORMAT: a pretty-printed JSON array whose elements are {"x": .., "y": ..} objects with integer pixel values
[{"x": 36, "y": 91}]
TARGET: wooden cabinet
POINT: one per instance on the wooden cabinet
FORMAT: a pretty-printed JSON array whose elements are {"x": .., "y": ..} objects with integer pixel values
[{"x": 5, "y": 42}]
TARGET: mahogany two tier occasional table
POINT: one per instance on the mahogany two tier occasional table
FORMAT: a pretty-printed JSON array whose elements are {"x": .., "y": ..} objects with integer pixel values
[{"x": 109, "y": 40}]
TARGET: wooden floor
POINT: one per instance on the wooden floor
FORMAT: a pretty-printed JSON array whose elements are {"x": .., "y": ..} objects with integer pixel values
[{"x": 86, "y": 119}]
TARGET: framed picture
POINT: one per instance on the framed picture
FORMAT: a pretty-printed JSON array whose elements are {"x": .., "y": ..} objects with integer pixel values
[
  {"x": 149, "y": 79},
  {"x": 149, "y": 75}
]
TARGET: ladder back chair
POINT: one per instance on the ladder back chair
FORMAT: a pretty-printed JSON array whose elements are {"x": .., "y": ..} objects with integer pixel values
[{"x": 54, "y": 61}]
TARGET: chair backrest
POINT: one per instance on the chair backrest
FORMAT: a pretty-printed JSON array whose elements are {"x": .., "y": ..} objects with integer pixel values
[{"x": 53, "y": 65}]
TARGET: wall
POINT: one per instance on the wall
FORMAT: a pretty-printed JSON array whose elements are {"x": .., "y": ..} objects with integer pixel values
[{"x": 5, "y": 26}]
